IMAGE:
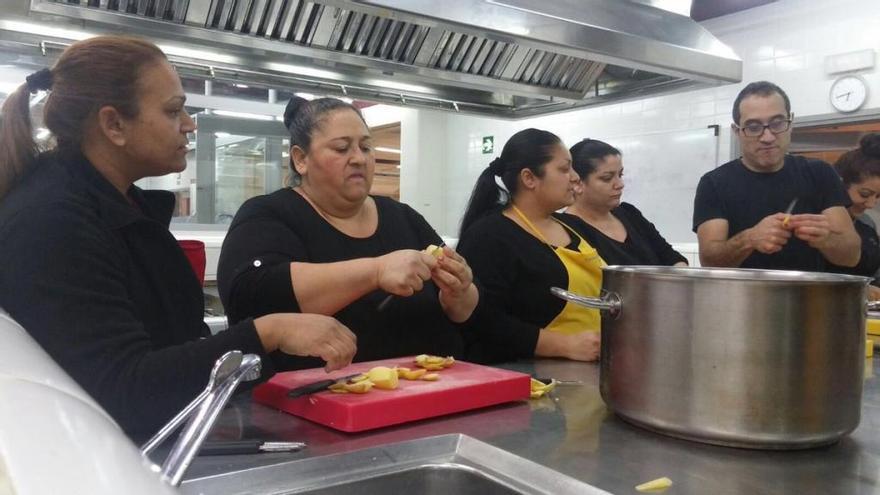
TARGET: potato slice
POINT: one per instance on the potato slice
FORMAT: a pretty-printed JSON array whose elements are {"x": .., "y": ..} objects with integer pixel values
[
  {"x": 655, "y": 486},
  {"x": 358, "y": 378},
  {"x": 360, "y": 387},
  {"x": 413, "y": 374},
  {"x": 383, "y": 377},
  {"x": 431, "y": 377},
  {"x": 339, "y": 388}
]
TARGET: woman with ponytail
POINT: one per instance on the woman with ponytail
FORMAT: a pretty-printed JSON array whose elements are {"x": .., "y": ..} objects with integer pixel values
[
  {"x": 860, "y": 171},
  {"x": 519, "y": 247},
  {"x": 327, "y": 246},
  {"x": 87, "y": 264}
]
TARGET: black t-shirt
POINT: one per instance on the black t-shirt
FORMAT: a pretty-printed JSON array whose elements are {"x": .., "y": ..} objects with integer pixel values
[
  {"x": 269, "y": 232},
  {"x": 742, "y": 197},
  {"x": 643, "y": 244}
]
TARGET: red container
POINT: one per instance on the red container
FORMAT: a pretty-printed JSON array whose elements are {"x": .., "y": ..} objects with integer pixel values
[{"x": 195, "y": 253}]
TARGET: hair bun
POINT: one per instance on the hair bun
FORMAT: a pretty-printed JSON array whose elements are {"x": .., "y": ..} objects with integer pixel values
[
  {"x": 294, "y": 107},
  {"x": 870, "y": 145}
]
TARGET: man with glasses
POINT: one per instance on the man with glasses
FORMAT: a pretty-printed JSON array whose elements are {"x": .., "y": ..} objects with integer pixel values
[{"x": 768, "y": 209}]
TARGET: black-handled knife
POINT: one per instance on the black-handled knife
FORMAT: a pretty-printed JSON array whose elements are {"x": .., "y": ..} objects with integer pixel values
[
  {"x": 235, "y": 447},
  {"x": 318, "y": 386}
]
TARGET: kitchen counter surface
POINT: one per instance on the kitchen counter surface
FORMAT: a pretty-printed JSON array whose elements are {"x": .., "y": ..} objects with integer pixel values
[{"x": 572, "y": 432}]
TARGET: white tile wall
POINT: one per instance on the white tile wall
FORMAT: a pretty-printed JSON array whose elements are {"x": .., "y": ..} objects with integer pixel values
[{"x": 785, "y": 42}]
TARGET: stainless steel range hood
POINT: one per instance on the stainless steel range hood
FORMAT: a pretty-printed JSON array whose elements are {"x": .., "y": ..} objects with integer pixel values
[{"x": 510, "y": 58}]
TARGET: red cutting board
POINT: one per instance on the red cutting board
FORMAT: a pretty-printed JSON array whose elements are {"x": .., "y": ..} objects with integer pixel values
[{"x": 461, "y": 387}]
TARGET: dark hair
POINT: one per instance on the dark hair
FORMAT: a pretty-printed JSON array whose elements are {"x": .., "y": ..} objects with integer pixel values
[
  {"x": 90, "y": 74},
  {"x": 586, "y": 155},
  {"x": 760, "y": 88},
  {"x": 529, "y": 148},
  {"x": 302, "y": 117},
  {"x": 856, "y": 166}
]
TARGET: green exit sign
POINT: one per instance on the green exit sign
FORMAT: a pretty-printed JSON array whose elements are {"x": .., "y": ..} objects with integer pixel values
[{"x": 488, "y": 144}]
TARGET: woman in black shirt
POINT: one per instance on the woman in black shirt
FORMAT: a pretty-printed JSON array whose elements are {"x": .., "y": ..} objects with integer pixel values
[
  {"x": 860, "y": 171},
  {"x": 617, "y": 230},
  {"x": 326, "y": 246},
  {"x": 87, "y": 264},
  {"x": 520, "y": 247}
]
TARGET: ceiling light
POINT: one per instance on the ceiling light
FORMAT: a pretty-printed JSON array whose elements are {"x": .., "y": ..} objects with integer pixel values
[
  {"x": 307, "y": 96},
  {"x": 387, "y": 150},
  {"x": 44, "y": 30},
  {"x": 222, "y": 134},
  {"x": 243, "y": 115},
  {"x": 242, "y": 86},
  {"x": 182, "y": 51},
  {"x": 401, "y": 86},
  {"x": 347, "y": 100},
  {"x": 300, "y": 70}
]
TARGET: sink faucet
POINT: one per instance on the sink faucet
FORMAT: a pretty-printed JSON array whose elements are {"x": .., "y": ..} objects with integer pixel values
[{"x": 231, "y": 369}]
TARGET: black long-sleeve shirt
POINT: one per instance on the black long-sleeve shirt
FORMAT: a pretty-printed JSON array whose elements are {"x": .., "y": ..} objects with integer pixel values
[
  {"x": 104, "y": 288},
  {"x": 869, "y": 261},
  {"x": 515, "y": 272},
  {"x": 643, "y": 245},
  {"x": 269, "y": 232}
]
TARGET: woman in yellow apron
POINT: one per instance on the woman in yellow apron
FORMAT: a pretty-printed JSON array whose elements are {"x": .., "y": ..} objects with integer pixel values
[{"x": 519, "y": 247}]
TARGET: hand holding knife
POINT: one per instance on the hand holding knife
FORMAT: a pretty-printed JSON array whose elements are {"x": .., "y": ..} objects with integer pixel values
[{"x": 788, "y": 212}]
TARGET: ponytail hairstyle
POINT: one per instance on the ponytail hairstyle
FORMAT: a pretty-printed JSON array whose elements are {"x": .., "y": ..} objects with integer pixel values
[
  {"x": 302, "y": 117},
  {"x": 856, "y": 166},
  {"x": 529, "y": 148},
  {"x": 90, "y": 74},
  {"x": 586, "y": 155}
]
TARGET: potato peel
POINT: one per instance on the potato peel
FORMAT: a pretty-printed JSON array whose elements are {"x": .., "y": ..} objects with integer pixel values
[
  {"x": 433, "y": 363},
  {"x": 540, "y": 389}
]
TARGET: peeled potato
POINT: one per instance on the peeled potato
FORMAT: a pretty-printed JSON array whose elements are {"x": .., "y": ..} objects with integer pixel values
[
  {"x": 383, "y": 377},
  {"x": 434, "y": 250}
]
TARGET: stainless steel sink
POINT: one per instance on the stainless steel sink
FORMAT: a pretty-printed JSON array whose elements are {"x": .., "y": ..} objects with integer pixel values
[{"x": 435, "y": 465}]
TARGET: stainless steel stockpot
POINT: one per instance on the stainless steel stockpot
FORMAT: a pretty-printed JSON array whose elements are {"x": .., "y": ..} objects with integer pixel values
[{"x": 750, "y": 358}]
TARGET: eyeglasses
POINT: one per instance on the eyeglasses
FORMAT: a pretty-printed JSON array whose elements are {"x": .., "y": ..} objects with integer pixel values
[{"x": 756, "y": 129}]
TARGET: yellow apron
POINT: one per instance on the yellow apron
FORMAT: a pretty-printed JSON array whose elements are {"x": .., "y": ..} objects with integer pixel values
[{"x": 584, "y": 268}]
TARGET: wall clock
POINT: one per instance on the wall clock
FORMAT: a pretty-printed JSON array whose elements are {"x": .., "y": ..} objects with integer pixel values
[{"x": 848, "y": 93}]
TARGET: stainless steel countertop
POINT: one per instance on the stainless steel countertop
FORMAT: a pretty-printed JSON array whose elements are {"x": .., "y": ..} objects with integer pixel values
[{"x": 573, "y": 433}]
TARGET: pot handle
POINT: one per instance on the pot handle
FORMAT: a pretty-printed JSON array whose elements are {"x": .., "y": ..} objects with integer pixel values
[{"x": 609, "y": 302}]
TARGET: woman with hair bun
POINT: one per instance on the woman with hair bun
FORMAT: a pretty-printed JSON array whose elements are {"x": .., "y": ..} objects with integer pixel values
[
  {"x": 619, "y": 231},
  {"x": 327, "y": 246},
  {"x": 519, "y": 248},
  {"x": 87, "y": 264},
  {"x": 860, "y": 171}
]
